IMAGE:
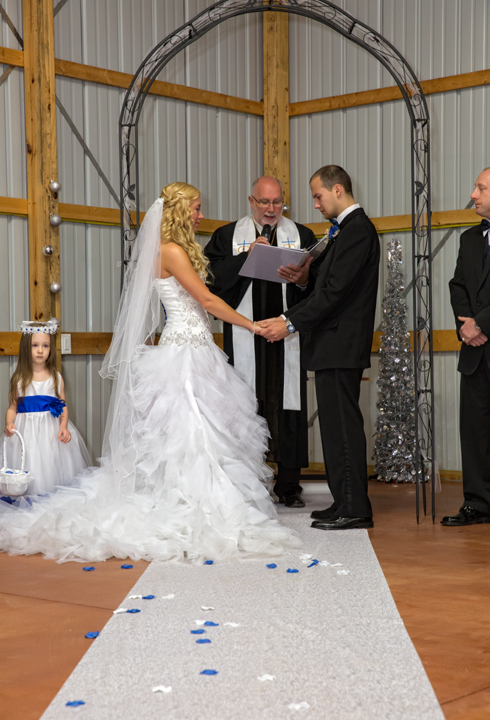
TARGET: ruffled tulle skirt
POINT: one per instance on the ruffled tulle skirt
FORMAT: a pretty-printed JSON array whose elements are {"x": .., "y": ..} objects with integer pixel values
[
  {"x": 49, "y": 461},
  {"x": 189, "y": 483}
]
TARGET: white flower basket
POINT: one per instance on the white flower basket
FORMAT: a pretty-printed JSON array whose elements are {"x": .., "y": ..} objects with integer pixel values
[{"x": 14, "y": 482}]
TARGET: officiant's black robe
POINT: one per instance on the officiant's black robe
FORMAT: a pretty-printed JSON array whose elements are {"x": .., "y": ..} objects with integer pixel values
[{"x": 289, "y": 432}]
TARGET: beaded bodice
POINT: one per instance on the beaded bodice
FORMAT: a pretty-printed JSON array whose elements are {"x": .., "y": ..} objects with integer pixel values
[{"x": 186, "y": 322}]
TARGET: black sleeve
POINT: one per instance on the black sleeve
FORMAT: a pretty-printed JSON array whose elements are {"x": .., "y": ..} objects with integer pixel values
[
  {"x": 460, "y": 299},
  {"x": 349, "y": 260},
  {"x": 224, "y": 266}
]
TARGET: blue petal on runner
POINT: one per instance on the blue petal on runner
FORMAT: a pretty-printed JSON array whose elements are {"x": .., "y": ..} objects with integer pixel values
[
  {"x": 313, "y": 562},
  {"x": 272, "y": 566},
  {"x": 292, "y": 570},
  {"x": 126, "y": 567},
  {"x": 75, "y": 703},
  {"x": 197, "y": 632},
  {"x": 203, "y": 640},
  {"x": 91, "y": 635},
  {"x": 88, "y": 568},
  {"x": 211, "y": 624},
  {"x": 133, "y": 610},
  {"x": 208, "y": 672},
  {"x": 150, "y": 597},
  {"x": 208, "y": 562}
]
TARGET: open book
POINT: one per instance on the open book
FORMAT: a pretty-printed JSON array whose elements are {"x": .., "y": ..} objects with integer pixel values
[{"x": 265, "y": 260}]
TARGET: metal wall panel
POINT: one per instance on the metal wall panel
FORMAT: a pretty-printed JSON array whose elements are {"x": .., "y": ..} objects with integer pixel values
[{"x": 221, "y": 151}]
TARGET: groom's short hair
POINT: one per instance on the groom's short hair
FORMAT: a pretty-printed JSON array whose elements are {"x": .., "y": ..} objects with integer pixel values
[{"x": 331, "y": 175}]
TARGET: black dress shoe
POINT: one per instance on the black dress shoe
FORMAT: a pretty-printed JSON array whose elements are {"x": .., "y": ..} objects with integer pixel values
[
  {"x": 466, "y": 516},
  {"x": 322, "y": 514},
  {"x": 343, "y": 523},
  {"x": 293, "y": 501}
]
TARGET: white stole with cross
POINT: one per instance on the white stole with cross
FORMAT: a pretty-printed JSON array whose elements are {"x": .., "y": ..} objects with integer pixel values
[{"x": 243, "y": 341}]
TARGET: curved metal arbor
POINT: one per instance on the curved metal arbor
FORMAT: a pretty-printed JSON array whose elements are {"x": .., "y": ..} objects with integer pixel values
[{"x": 334, "y": 17}]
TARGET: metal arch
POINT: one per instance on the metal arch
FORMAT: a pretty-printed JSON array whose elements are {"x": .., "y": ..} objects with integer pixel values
[{"x": 334, "y": 17}]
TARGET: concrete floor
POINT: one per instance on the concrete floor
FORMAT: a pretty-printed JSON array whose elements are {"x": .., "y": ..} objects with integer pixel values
[{"x": 438, "y": 577}]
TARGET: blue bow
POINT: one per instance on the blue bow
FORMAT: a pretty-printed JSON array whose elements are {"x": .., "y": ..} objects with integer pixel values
[
  {"x": 334, "y": 229},
  {"x": 40, "y": 403}
]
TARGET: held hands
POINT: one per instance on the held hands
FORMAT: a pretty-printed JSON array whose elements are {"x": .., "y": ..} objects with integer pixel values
[
  {"x": 9, "y": 429},
  {"x": 64, "y": 435},
  {"x": 294, "y": 274},
  {"x": 272, "y": 330},
  {"x": 469, "y": 334}
]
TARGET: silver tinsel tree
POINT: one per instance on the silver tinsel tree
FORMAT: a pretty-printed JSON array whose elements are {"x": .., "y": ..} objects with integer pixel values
[{"x": 394, "y": 449}]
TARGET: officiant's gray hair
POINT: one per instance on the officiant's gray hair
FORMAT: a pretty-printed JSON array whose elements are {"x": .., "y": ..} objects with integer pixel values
[{"x": 265, "y": 177}]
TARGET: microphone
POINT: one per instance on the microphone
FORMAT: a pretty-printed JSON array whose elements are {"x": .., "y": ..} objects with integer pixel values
[{"x": 266, "y": 232}]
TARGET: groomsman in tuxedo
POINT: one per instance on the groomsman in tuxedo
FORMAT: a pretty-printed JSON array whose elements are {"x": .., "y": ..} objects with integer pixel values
[
  {"x": 336, "y": 322},
  {"x": 470, "y": 299}
]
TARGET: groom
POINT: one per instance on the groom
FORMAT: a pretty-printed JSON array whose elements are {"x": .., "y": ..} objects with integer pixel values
[{"x": 336, "y": 322}]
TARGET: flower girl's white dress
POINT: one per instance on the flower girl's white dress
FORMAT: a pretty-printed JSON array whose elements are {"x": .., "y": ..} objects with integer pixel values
[
  {"x": 50, "y": 461},
  {"x": 189, "y": 482}
]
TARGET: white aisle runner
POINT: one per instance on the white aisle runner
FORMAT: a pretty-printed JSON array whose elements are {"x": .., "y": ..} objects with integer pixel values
[{"x": 326, "y": 641}]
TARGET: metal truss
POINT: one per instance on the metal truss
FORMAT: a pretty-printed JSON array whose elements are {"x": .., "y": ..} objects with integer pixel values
[{"x": 334, "y": 17}]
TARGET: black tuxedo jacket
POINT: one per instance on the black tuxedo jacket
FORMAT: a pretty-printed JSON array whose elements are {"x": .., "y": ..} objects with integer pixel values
[
  {"x": 470, "y": 295},
  {"x": 337, "y": 318}
]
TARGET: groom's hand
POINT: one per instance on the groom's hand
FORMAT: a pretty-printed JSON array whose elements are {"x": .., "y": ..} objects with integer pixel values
[
  {"x": 273, "y": 329},
  {"x": 295, "y": 274}
]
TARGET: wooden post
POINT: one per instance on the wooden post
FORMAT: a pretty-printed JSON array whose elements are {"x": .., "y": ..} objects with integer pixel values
[
  {"x": 276, "y": 97},
  {"x": 42, "y": 164}
]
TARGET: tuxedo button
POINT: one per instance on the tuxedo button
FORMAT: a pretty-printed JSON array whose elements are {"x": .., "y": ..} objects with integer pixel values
[{"x": 478, "y": 304}]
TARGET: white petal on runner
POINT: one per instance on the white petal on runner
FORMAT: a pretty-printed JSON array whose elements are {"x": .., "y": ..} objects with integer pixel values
[
  {"x": 162, "y": 688},
  {"x": 305, "y": 557},
  {"x": 203, "y": 607},
  {"x": 266, "y": 677},
  {"x": 324, "y": 563},
  {"x": 135, "y": 597},
  {"x": 232, "y": 624},
  {"x": 119, "y": 610},
  {"x": 199, "y": 622},
  {"x": 299, "y": 706},
  {"x": 168, "y": 597},
  {"x": 337, "y": 565},
  {"x": 343, "y": 572}
]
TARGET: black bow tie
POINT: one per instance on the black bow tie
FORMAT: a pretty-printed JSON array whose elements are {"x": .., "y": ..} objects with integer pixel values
[{"x": 485, "y": 225}]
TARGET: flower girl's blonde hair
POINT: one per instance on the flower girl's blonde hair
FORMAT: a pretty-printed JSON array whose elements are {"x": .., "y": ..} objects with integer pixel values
[{"x": 177, "y": 224}]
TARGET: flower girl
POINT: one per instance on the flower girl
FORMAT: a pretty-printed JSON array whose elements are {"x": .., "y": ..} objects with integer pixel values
[{"x": 55, "y": 451}]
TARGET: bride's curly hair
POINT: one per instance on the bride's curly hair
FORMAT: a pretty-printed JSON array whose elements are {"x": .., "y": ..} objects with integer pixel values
[{"x": 177, "y": 226}]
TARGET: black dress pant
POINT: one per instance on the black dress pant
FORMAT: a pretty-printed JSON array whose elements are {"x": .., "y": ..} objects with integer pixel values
[
  {"x": 475, "y": 437},
  {"x": 343, "y": 440}
]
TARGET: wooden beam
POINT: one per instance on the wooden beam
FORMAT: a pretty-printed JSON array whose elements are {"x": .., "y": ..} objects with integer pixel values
[
  {"x": 11, "y": 57},
  {"x": 97, "y": 343},
  {"x": 113, "y": 78},
  {"x": 403, "y": 223},
  {"x": 276, "y": 97},
  {"x": 387, "y": 94},
  {"x": 42, "y": 166},
  {"x": 110, "y": 216}
]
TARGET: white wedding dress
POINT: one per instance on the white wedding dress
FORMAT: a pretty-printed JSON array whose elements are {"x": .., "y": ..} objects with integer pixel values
[{"x": 188, "y": 483}]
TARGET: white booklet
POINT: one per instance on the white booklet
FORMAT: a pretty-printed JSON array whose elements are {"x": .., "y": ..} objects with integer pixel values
[{"x": 265, "y": 260}]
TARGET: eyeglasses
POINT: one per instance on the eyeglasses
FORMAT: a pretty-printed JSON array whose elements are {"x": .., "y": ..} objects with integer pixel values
[{"x": 266, "y": 203}]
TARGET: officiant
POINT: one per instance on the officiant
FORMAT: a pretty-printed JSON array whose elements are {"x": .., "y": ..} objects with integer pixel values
[{"x": 273, "y": 370}]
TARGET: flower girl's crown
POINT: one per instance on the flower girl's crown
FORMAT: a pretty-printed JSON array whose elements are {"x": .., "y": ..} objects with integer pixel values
[{"x": 30, "y": 327}]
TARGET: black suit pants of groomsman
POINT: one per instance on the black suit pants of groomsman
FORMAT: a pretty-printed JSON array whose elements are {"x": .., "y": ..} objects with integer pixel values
[
  {"x": 343, "y": 440},
  {"x": 475, "y": 436}
]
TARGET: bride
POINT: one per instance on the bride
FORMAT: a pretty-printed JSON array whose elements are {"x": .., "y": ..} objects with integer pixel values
[{"x": 182, "y": 474}]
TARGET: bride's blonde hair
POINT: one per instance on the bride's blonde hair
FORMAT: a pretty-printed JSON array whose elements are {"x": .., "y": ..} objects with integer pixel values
[{"x": 177, "y": 226}]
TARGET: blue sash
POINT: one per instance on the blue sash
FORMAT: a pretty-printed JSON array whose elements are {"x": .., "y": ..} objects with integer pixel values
[{"x": 40, "y": 403}]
